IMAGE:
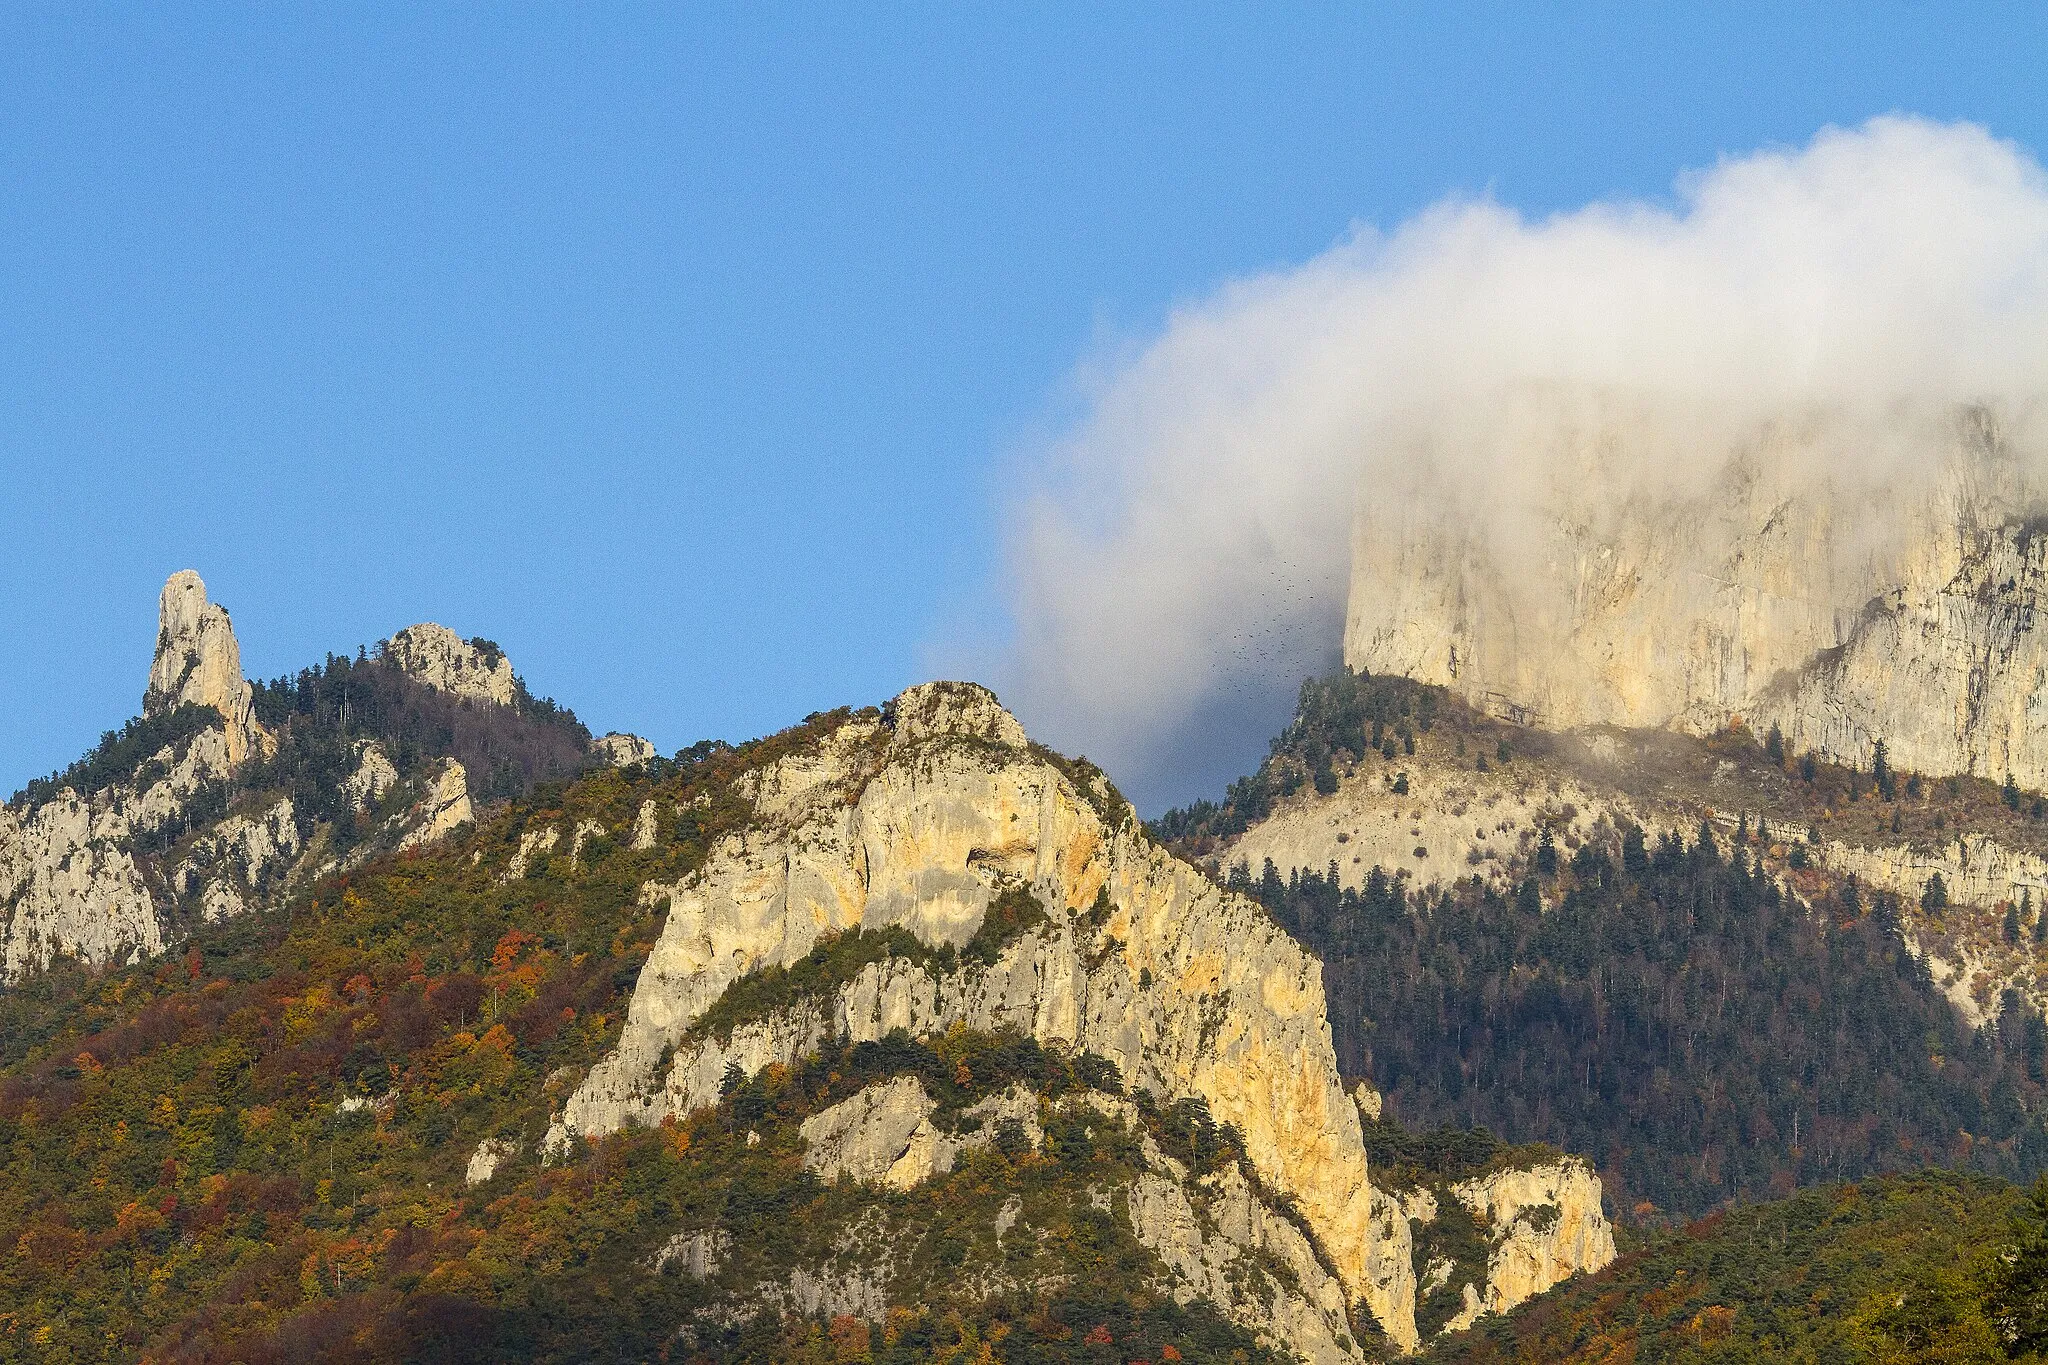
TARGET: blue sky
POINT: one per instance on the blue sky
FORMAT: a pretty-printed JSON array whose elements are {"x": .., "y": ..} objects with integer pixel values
[{"x": 689, "y": 354}]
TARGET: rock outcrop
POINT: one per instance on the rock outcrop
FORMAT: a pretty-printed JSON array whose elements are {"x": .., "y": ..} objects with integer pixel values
[
  {"x": 484, "y": 1162},
  {"x": 919, "y": 821},
  {"x": 374, "y": 775},
  {"x": 199, "y": 663},
  {"x": 1216, "y": 1238},
  {"x": 443, "y": 809},
  {"x": 646, "y": 827},
  {"x": 885, "y": 1134},
  {"x": 71, "y": 884},
  {"x": 1224, "y": 1244},
  {"x": 69, "y": 887},
  {"x": 1444, "y": 822},
  {"x": 1546, "y": 1224},
  {"x": 81, "y": 874},
  {"x": 475, "y": 670},
  {"x": 239, "y": 860},
  {"x": 1840, "y": 613},
  {"x": 621, "y": 750}
]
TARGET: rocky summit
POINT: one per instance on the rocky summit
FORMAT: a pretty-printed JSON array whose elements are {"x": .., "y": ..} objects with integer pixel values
[
  {"x": 201, "y": 808},
  {"x": 923, "y": 820}
]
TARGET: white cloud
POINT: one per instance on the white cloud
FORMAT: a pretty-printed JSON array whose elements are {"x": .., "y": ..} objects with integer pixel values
[{"x": 1180, "y": 559}]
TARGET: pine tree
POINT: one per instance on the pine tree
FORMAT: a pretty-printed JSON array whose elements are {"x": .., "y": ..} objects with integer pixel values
[
  {"x": 1774, "y": 746},
  {"x": 1881, "y": 770},
  {"x": 1635, "y": 856},
  {"x": 2019, "y": 1283},
  {"x": 1934, "y": 899},
  {"x": 2011, "y": 794}
]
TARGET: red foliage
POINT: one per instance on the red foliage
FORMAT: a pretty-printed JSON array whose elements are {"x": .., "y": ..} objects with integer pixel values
[{"x": 453, "y": 999}]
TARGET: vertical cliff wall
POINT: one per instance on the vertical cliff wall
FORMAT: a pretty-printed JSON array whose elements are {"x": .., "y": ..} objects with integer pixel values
[{"x": 1785, "y": 585}]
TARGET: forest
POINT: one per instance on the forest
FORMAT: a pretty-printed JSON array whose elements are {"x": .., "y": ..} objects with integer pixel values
[
  {"x": 255, "y": 1149},
  {"x": 1670, "y": 1011},
  {"x": 1930, "y": 1267},
  {"x": 320, "y": 713}
]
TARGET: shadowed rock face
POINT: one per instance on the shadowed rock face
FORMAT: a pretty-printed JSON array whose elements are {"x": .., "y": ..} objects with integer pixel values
[
  {"x": 1842, "y": 612},
  {"x": 918, "y": 823}
]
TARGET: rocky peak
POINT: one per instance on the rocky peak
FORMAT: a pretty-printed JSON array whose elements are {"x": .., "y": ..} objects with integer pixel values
[
  {"x": 1188, "y": 990},
  {"x": 436, "y": 656},
  {"x": 198, "y": 661},
  {"x": 933, "y": 709},
  {"x": 621, "y": 750}
]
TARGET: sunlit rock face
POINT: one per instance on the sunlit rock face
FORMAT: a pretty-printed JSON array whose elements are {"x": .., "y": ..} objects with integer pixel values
[
  {"x": 439, "y": 658},
  {"x": 76, "y": 883},
  {"x": 199, "y": 663},
  {"x": 1783, "y": 583},
  {"x": 918, "y": 821},
  {"x": 70, "y": 884},
  {"x": 1547, "y": 1224}
]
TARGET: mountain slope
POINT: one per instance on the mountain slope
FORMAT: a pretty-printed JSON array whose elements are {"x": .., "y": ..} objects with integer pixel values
[
  {"x": 223, "y": 794},
  {"x": 764, "y": 1051},
  {"x": 1904, "y": 1268},
  {"x": 1633, "y": 944}
]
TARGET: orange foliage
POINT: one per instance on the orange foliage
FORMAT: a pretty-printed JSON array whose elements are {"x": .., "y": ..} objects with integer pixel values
[
  {"x": 1712, "y": 1324},
  {"x": 509, "y": 947}
]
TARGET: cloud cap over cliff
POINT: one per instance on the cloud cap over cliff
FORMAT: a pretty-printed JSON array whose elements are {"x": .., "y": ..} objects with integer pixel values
[{"x": 1181, "y": 556}]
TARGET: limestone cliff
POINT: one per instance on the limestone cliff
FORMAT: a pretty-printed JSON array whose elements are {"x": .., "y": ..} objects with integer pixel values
[
  {"x": 111, "y": 862},
  {"x": 71, "y": 881},
  {"x": 1546, "y": 1224},
  {"x": 1843, "y": 612},
  {"x": 199, "y": 663},
  {"x": 621, "y": 750},
  {"x": 69, "y": 888},
  {"x": 475, "y": 670},
  {"x": 919, "y": 822}
]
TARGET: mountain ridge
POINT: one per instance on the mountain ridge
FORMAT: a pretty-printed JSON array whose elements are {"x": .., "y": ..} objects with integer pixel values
[{"x": 474, "y": 1008}]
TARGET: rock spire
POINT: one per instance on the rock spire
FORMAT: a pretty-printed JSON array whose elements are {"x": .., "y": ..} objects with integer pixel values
[{"x": 198, "y": 662}]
